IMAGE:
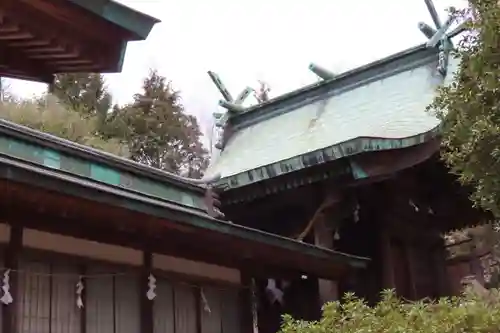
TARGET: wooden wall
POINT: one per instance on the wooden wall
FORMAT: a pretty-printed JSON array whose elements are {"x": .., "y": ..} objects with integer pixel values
[{"x": 192, "y": 297}]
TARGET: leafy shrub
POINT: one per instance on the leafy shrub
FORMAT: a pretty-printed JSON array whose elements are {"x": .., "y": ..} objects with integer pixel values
[
  {"x": 51, "y": 117},
  {"x": 469, "y": 313}
]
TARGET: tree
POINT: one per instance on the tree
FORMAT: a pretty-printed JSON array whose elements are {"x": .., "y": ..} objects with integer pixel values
[
  {"x": 57, "y": 119},
  {"x": 477, "y": 311},
  {"x": 470, "y": 112},
  {"x": 84, "y": 92},
  {"x": 262, "y": 93},
  {"x": 160, "y": 133},
  {"x": 470, "y": 108},
  {"x": 87, "y": 94}
]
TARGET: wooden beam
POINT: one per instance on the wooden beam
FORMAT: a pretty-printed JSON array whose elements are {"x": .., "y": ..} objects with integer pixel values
[
  {"x": 11, "y": 259},
  {"x": 45, "y": 28},
  {"x": 15, "y": 60},
  {"x": 246, "y": 303},
  {"x": 77, "y": 19},
  {"x": 323, "y": 237},
  {"x": 146, "y": 305}
]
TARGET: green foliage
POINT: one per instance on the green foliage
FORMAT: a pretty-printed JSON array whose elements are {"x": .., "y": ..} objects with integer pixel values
[
  {"x": 154, "y": 129},
  {"x": 470, "y": 108},
  {"x": 49, "y": 116},
  {"x": 469, "y": 313},
  {"x": 158, "y": 130},
  {"x": 86, "y": 92}
]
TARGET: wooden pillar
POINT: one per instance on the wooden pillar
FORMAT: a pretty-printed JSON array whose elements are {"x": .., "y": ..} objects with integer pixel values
[
  {"x": 475, "y": 264},
  {"x": 441, "y": 268},
  {"x": 246, "y": 303},
  {"x": 82, "y": 268},
  {"x": 323, "y": 237},
  {"x": 146, "y": 306},
  {"x": 50, "y": 88},
  {"x": 410, "y": 257},
  {"x": 9, "y": 323},
  {"x": 387, "y": 261}
]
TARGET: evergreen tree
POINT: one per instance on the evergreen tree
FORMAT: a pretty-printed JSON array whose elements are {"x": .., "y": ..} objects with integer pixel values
[
  {"x": 160, "y": 133},
  {"x": 50, "y": 116},
  {"x": 87, "y": 94},
  {"x": 470, "y": 114},
  {"x": 83, "y": 92},
  {"x": 470, "y": 109}
]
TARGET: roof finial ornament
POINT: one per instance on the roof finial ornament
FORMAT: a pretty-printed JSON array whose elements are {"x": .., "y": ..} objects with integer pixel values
[
  {"x": 230, "y": 104},
  {"x": 439, "y": 36},
  {"x": 321, "y": 72}
]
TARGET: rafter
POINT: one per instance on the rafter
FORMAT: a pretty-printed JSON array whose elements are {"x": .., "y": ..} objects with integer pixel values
[
  {"x": 44, "y": 28},
  {"x": 85, "y": 24},
  {"x": 15, "y": 60}
]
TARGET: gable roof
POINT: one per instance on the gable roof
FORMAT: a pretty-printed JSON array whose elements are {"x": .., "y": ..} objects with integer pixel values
[
  {"x": 42, "y": 38},
  {"x": 39, "y": 161},
  {"x": 376, "y": 107}
]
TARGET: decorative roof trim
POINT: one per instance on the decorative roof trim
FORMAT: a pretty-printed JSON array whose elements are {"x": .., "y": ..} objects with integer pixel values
[
  {"x": 74, "y": 149},
  {"x": 23, "y": 172},
  {"x": 335, "y": 152},
  {"x": 139, "y": 24},
  {"x": 378, "y": 70}
]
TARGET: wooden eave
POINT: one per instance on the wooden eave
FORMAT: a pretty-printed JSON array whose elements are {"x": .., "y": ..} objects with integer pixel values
[
  {"x": 68, "y": 204},
  {"x": 34, "y": 162},
  {"x": 40, "y": 38}
]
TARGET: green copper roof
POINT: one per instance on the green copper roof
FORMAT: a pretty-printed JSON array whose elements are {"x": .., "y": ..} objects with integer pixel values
[
  {"x": 137, "y": 23},
  {"x": 376, "y": 107},
  {"x": 50, "y": 151},
  {"x": 43, "y": 160}
]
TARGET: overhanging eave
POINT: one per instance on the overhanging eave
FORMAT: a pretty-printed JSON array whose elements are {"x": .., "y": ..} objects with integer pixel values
[{"x": 249, "y": 245}]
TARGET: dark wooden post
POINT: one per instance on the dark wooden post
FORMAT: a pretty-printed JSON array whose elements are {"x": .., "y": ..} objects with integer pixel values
[
  {"x": 50, "y": 88},
  {"x": 387, "y": 260},
  {"x": 441, "y": 266},
  {"x": 410, "y": 257},
  {"x": 146, "y": 306},
  {"x": 11, "y": 259},
  {"x": 323, "y": 236},
  {"x": 246, "y": 303},
  {"x": 475, "y": 263}
]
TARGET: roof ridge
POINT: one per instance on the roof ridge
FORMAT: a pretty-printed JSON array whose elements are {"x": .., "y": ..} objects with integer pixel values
[{"x": 324, "y": 83}]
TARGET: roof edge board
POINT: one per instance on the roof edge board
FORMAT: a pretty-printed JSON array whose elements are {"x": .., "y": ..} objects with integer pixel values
[
  {"x": 84, "y": 152},
  {"x": 336, "y": 152},
  {"x": 138, "y": 23},
  {"x": 191, "y": 217},
  {"x": 352, "y": 79}
]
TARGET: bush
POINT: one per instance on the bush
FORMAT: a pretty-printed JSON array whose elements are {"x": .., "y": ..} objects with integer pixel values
[
  {"x": 51, "y": 117},
  {"x": 468, "y": 313}
]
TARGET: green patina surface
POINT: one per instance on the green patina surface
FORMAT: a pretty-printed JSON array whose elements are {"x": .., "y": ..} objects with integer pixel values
[
  {"x": 29, "y": 163},
  {"x": 375, "y": 108},
  {"x": 129, "y": 19},
  {"x": 50, "y": 158}
]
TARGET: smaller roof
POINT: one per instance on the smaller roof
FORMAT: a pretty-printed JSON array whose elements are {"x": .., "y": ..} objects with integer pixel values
[
  {"x": 137, "y": 23},
  {"x": 51, "y": 169},
  {"x": 40, "y": 38},
  {"x": 376, "y": 107}
]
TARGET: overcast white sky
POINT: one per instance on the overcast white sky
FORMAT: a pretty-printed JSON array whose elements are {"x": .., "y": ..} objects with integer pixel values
[{"x": 270, "y": 40}]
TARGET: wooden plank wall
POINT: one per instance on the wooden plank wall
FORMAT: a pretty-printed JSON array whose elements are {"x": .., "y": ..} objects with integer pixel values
[{"x": 44, "y": 291}]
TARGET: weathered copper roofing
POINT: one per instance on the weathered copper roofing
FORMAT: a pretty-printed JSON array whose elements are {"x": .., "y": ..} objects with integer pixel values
[
  {"x": 78, "y": 170},
  {"x": 376, "y": 107},
  {"x": 139, "y": 24},
  {"x": 40, "y": 38}
]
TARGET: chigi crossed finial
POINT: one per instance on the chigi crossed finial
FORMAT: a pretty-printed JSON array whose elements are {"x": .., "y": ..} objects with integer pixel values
[
  {"x": 440, "y": 36},
  {"x": 230, "y": 104}
]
